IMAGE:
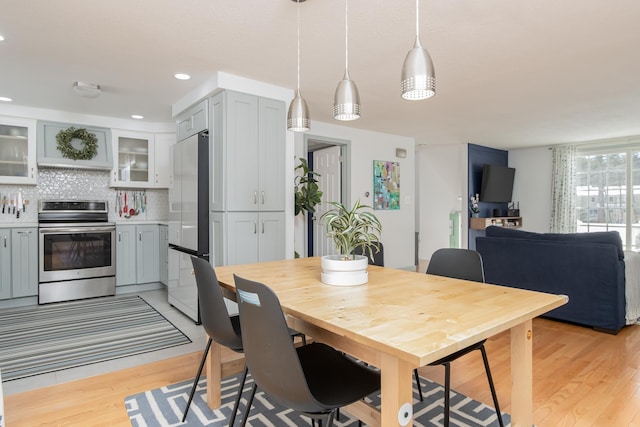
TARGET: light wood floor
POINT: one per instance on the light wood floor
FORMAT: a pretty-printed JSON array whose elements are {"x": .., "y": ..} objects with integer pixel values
[{"x": 581, "y": 378}]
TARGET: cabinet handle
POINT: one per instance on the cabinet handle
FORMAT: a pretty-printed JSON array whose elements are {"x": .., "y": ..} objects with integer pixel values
[
  {"x": 140, "y": 236},
  {"x": 119, "y": 236},
  {"x": 255, "y": 197},
  {"x": 5, "y": 241},
  {"x": 262, "y": 227},
  {"x": 23, "y": 232},
  {"x": 263, "y": 197},
  {"x": 31, "y": 172},
  {"x": 255, "y": 227}
]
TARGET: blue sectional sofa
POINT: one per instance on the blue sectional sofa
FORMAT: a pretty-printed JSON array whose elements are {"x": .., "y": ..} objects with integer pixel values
[{"x": 587, "y": 267}]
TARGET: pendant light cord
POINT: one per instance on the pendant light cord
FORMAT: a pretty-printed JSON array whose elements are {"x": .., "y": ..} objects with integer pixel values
[
  {"x": 417, "y": 20},
  {"x": 346, "y": 35},
  {"x": 298, "y": 12}
]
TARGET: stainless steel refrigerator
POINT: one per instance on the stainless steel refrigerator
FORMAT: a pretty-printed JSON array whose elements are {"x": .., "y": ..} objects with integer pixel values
[{"x": 188, "y": 220}]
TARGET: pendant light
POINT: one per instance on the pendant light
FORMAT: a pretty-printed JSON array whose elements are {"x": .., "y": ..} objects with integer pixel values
[
  {"x": 298, "y": 115},
  {"x": 418, "y": 75},
  {"x": 346, "y": 102}
]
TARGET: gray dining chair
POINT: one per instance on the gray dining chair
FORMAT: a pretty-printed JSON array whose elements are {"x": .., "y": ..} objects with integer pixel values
[
  {"x": 462, "y": 264},
  {"x": 314, "y": 379},
  {"x": 218, "y": 325}
]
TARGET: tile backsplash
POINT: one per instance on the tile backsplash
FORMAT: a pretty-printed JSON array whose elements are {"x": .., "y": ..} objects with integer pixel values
[{"x": 57, "y": 184}]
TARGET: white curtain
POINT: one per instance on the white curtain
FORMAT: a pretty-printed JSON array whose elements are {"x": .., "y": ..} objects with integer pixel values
[{"x": 563, "y": 192}]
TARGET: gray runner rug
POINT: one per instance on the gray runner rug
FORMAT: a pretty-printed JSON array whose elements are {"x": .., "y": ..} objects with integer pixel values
[
  {"x": 163, "y": 407},
  {"x": 46, "y": 338}
]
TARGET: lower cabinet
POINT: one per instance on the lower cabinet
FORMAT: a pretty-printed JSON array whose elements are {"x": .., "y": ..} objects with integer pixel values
[
  {"x": 18, "y": 262},
  {"x": 255, "y": 237},
  {"x": 163, "y": 256},
  {"x": 137, "y": 259}
]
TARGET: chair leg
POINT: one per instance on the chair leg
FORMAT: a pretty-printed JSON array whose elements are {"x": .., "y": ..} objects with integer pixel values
[
  {"x": 246, "y": 412},
  {"x": 330, "y": 419},
  {"x": 415, "y": 373},
  {"x": 485, "y": 359},
  {"x": 447, "y": 392},
  {"x": 237, "y": 402},
  {"x": 195, "y": 381}
]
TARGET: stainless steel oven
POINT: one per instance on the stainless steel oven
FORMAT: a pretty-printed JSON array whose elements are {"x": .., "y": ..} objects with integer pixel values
[{"x": 76, "y": 250}]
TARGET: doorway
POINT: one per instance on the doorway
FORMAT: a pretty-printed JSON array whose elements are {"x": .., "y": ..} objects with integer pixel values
[{"x": 329, "y": 158}]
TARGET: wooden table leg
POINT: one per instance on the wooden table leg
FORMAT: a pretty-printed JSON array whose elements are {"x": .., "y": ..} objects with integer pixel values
[
  {"x": 396, "y": 392},
  {"x": 522, "y": 375},
  {"x": 214, "y": 375}
]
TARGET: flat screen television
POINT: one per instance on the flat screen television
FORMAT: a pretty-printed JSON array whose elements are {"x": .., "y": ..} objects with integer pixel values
[{"x": 497, "y": 183}]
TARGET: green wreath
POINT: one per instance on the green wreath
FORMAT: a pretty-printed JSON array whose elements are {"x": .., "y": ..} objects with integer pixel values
[{"x": 89, "y": 143}]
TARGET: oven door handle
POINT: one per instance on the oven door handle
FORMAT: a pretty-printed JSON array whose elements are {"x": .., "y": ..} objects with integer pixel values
[{"x": 66, "y": 230}]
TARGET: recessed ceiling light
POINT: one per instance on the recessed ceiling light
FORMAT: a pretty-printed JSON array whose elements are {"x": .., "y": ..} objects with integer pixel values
[
  {"x": 5, "y": 99},
  {"x": 182, "y": 76},
  {"x": 1, "y": 38},
  {"x": 137, "y": 116}
]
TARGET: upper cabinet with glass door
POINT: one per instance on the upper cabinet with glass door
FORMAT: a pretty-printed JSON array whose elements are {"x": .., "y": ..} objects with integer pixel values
[
  {"x": 133, "y": 154},
  {"x": 17, "y": 151}
]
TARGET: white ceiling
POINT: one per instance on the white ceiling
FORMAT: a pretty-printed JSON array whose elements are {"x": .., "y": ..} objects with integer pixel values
[{"x": 510, "y": 73}]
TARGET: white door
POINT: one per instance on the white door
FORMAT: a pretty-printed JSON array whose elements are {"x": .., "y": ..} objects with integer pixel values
[{"x": 326, "y": 162}]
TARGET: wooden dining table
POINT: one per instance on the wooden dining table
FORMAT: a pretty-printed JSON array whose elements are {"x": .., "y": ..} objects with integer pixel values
[{"x": 398, "y": 321}]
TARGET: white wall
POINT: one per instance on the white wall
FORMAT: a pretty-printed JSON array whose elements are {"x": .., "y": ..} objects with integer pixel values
[
  {"x": 398, "y": 226},
  {"x": 442, "y": 173},
  {"x": 532, "y": 186}
]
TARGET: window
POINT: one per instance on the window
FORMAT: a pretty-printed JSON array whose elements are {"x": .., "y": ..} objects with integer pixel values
[{"x": 604, "y": 176}]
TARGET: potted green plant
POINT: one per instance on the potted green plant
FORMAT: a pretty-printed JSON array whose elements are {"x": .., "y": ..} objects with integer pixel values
[
  {"x": 307, "y": 192},
  {"x": 350, "y": 228}
]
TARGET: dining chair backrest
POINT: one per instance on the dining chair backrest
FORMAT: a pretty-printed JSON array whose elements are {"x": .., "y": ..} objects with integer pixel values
[
  {"x": 213, "y": 311},
  {"x": 269, "y": 351},
  {"x": 457, "y": 263},
  {"x": 378, "y": 257}
]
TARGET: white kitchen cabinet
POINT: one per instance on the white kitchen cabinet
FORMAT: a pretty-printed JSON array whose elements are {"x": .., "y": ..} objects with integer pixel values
[
  {"x": 137, "y": 258},
  {"x": 193, "y": 120},
  {"x": 18, "y": 262},
  {"x": 163, "y": 256},
  {"x": 248, "y": 156},
  {"x": 5, "y": 263},
  {"x": 163, "y": 167},
  {"x": 17, "y": 151},
  {"x": 24, "y": 264},
  {"x": 134, "y": 156},
  {"x": 247, "y": 188},
  {"x": 142, "y": 160},
  {"x": 125, "y": 255},
  {"x": 255, "y": 237}
]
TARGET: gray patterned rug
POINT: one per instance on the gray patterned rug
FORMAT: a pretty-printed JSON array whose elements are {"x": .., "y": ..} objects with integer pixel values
[
  {"x": 164, "y": 407},
  {"x": 46, "y": 338}
]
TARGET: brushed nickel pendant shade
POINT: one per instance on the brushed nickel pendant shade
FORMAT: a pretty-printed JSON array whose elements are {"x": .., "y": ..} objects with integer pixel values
[
  {"x": 346, "y": 102},
  {"x": 418, "y": 77},
  {"x": 298, "y": 114}
]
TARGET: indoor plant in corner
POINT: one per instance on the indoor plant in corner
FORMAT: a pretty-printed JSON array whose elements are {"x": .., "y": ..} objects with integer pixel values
[
  {"x": 350, "y": 229},
  {"x": 306, "y": 191}
]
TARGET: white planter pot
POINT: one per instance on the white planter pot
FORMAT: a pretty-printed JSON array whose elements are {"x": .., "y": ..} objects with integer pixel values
[{"x": 337, "y": 271}]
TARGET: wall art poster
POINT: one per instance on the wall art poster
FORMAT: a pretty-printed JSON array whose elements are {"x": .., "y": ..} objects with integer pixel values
[{"x": 386, "y": 185}]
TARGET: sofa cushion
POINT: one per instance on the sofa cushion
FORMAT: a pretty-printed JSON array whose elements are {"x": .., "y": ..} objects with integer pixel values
[{"x": 605, "y": 237}]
